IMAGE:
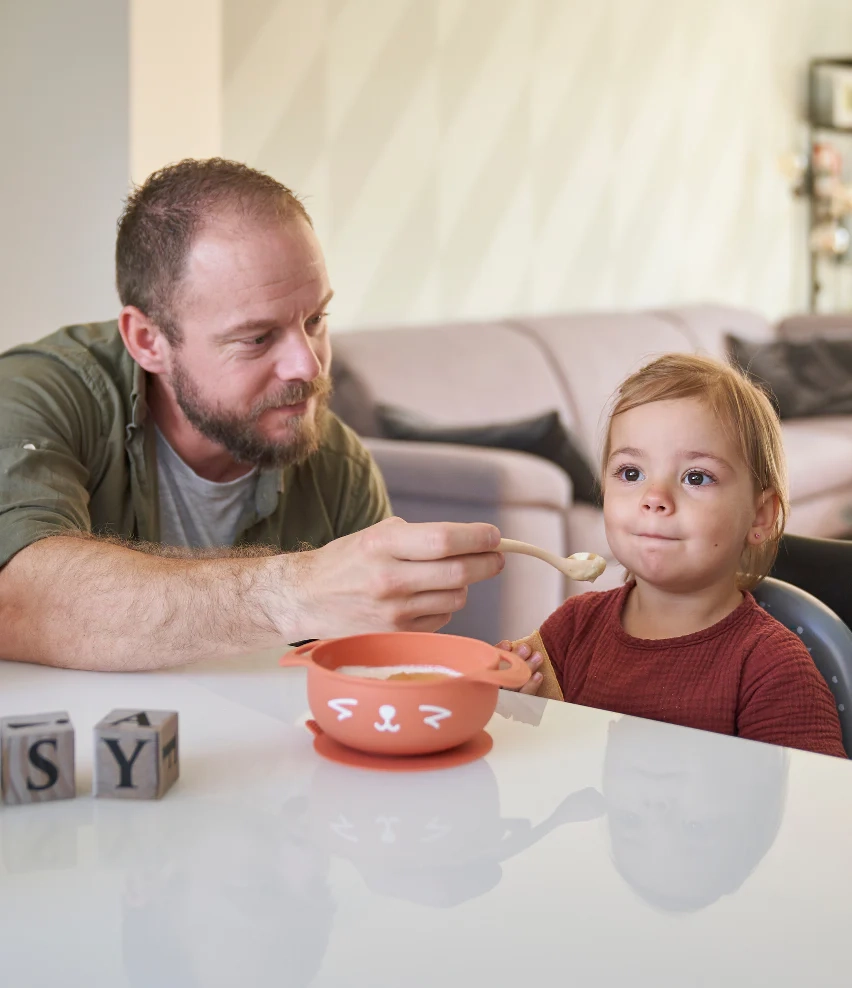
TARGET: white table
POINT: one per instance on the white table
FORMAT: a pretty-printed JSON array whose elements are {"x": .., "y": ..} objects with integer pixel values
[{"x": 586, "y": 849}]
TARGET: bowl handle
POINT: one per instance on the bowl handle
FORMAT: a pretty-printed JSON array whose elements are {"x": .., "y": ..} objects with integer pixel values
[
  {"x": 513, "y": 678},
  {"x": 301, "y": 656}
]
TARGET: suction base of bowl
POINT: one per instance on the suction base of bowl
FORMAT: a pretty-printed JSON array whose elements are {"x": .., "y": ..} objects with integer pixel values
[{"x": 334, "y": 751}]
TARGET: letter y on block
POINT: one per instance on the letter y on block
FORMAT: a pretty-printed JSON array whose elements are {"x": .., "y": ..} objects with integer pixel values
[{"x": 136, "y": 754}]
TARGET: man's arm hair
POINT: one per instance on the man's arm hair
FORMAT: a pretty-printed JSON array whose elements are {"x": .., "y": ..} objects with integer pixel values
[{"x": 87, "y": 602}]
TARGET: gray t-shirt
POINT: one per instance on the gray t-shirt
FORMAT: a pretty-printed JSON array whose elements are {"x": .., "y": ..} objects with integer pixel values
[{"x": 199, "y": 513}]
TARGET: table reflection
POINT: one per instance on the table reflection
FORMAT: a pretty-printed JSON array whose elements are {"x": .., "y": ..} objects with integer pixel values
[
  {"x": 690, "y": 814},
  {"x": 219, "y": 898},
  {"x": 433, "y": 838}
]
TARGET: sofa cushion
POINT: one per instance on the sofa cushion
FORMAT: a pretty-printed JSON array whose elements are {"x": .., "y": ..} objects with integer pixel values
[
  {"x": 479, "y": 478},
  {"x": 826, "y": 516},
  {"x": 707, "y": 326},
  {"x": 836, "y": 325},
  {"x": 819, "y": 455},
  {"x": 542, "y": 436},
  {"x": 456, "y": 373}
]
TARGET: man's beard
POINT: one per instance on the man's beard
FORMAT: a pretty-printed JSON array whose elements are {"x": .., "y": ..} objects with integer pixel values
[{"x": 241, "y": 436}]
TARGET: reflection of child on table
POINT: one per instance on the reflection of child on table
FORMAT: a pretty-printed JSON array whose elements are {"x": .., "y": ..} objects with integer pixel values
[
  {"x": 695, "y": 500},
  {"x": 690, "y": 815}
]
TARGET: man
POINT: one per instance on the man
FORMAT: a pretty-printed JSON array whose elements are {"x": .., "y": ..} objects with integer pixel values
[{"x": 134, "y": 454}]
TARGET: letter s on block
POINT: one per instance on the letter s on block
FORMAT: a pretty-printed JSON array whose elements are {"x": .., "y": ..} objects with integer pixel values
[{"x": 43, "y": 764}]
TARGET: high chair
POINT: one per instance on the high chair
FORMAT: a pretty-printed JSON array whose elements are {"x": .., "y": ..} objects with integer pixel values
[{"x": 826, "y": 637}]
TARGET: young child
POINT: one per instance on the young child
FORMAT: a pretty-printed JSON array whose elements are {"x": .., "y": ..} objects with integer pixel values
[{"x": 695, "y": 500}]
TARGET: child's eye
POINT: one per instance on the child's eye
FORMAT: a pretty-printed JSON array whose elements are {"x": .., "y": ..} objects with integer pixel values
[
  {"x": 698, "y": 478},
  {"x": 630, "y": 474}
]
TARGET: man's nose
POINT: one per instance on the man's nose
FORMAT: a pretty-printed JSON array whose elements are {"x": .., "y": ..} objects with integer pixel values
[
  {"x": 296, "y": 359},
  {"x": 657, "y": 500}
]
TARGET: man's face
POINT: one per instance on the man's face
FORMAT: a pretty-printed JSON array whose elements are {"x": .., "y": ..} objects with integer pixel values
[{"x": 251, "y": 369}]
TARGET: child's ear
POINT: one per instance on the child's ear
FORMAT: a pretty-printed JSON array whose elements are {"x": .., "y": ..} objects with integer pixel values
[{"x": 765, "y": 517}]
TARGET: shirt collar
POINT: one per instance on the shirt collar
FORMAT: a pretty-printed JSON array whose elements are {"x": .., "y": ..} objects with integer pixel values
[{"x": 138, "y": 403}]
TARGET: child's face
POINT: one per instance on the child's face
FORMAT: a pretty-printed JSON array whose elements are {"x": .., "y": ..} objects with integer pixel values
[{"x": 679, "y": 502}]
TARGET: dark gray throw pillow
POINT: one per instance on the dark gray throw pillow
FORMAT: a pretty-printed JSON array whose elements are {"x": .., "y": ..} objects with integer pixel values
[
  {"x": 543, "y": 436},
  {"x": 807, "y": 378},
  {"x": 351, "y": 400}
]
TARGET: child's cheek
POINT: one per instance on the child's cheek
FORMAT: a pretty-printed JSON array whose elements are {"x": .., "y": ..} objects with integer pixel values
[{"x": 616, "y": 508}]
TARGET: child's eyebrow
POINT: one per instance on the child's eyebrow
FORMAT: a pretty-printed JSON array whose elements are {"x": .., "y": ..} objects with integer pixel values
[
  {"x": 684, "y": 454},
  {"x": 626, "y": 451},
  {"x": 700, "y": 454}
]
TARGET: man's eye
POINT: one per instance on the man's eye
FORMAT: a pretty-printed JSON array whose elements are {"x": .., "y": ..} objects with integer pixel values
[
  {"x": 697, "y": 478},
  {"x": 254, "y": 342},
  {"x": 630, "y": 474},
  {"x": 318, "y": 319}
]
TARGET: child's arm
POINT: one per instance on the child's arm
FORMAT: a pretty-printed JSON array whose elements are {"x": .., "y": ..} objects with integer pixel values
[{"x": 784, "y": 699}]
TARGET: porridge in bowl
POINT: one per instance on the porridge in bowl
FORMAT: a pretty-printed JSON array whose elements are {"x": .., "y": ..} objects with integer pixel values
[{"x": 402, "y": 673}]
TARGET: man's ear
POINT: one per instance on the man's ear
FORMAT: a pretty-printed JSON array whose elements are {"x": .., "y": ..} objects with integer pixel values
[{"x": 144, "y": 340}]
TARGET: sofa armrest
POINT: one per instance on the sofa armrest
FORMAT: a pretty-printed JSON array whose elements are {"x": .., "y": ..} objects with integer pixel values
[{"x": 471, "y": 474}]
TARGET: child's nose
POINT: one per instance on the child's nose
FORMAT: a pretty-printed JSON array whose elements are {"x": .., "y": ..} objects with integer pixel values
[{"x": 657, "y": 500}]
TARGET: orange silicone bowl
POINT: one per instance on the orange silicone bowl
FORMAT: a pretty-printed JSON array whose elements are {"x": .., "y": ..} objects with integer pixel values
[{"x": 392, "y": 717}]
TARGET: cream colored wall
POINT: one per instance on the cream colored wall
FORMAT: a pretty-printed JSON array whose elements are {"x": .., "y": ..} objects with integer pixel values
[
  {"x": 483, "y": 157},
  {"x": 175, "y": 82}
]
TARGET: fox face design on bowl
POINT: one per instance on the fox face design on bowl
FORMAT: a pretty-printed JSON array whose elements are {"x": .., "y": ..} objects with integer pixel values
[{"x": 405, "y": 693}]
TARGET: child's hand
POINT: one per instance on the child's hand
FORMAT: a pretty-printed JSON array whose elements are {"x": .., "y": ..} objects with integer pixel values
[{"x": 533, "y": 660}]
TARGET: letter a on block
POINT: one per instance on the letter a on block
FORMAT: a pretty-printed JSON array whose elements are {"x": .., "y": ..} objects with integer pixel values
[
  {"x": 37, "y": 758},
  {"x": 136, "y": 754}
]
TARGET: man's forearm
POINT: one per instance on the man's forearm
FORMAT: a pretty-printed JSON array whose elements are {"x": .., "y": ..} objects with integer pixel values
[{"x": 88, "y": 603}]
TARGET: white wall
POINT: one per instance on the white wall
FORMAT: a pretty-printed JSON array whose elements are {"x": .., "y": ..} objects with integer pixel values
[
  {"x": 64, "y": 161},
  {"x": 482, "y": 157}
]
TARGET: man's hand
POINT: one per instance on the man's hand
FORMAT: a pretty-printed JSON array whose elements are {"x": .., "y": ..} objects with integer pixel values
[
  {"x": 533, "y": 660},
  {"x": 394, "y": 576}
]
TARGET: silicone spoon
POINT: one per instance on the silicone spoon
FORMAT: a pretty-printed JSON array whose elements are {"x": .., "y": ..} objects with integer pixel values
[{"x": 583, "y": 566}]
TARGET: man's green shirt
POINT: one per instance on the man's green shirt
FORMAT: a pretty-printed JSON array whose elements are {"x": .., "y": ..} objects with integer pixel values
[{"x": 78, "y": 453}]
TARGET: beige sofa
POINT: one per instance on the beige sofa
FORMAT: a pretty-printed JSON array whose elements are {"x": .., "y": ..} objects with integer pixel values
[{"x": 479, "y": 373}]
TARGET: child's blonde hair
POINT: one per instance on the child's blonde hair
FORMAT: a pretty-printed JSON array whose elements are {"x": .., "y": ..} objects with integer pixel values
[{"x": 745, "y": 412}]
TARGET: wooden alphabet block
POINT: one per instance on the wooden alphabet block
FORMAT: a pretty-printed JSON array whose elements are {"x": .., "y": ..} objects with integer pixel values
[
  {"x": 37, "y": 758},
  {"x": 136, "y": 754}
]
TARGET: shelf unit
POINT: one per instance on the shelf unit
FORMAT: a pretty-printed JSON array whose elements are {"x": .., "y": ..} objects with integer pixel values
[{"x": 817, "y": 131}]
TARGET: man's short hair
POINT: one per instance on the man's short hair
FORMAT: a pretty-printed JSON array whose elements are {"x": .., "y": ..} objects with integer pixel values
[{"x": 162, "y": 217}]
